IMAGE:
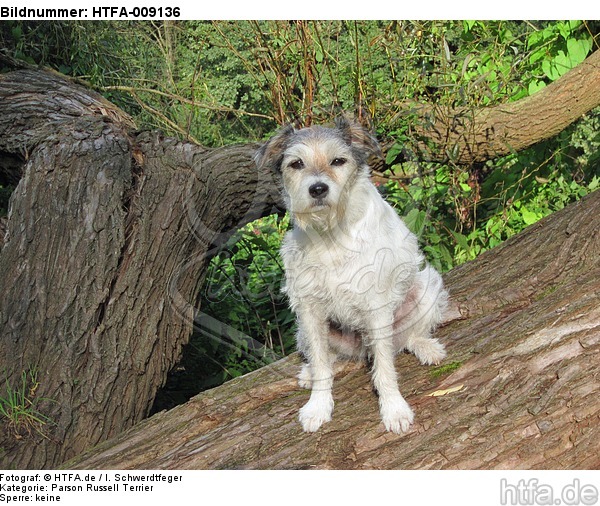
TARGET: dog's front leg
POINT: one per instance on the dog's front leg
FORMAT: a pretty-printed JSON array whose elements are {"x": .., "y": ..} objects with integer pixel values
[
  {"x": 395, "y": 411},
  {"x": 314, "y": 330}
]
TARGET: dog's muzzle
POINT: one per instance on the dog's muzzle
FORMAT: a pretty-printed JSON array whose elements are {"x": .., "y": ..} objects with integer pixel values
[{"x": 318, "y": 190}]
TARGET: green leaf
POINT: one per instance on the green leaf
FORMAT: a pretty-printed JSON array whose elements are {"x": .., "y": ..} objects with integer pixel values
[
  {"x": 461, "y": 240},
  {"x": 536, "y": 56},
  {"x": 446, "y": 256},
  {"x": 529, "y": 217},
  {"x": 564, "y": 29},
  {"x": 415, "y": 220},
  {"x": 578, "y": 50},
  {"x": 319, "y": 54},
  {"x": 17, "y": 32},
  {"x": 535, "y": 86},
  {"x": 392, "y": 153},
  {"x": 468, "y": 25},
  {"x": 552, "y": 67},
  {"x": 534, "y": 39},
  {"x": 567, "y": 28}
]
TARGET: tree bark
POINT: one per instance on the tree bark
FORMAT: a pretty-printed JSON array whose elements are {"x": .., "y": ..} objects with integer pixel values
[
  {"x": 526, "y": 331},
  {"x": 108, "y": 237}
]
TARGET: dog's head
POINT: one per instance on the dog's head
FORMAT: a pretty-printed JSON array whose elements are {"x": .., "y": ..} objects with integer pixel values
[{"x": 319, "y": 167}]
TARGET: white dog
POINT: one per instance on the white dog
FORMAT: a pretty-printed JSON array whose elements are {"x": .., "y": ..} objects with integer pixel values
[{"x": 354, "y": 275}]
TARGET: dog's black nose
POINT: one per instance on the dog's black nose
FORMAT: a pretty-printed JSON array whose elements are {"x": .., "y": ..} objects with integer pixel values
[{"x": 318, "y": 190}]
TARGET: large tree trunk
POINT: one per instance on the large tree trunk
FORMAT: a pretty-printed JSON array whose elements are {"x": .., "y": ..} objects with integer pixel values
[
  {"x": 108, "y": 238},
  {"x": 526, "y": 331}
]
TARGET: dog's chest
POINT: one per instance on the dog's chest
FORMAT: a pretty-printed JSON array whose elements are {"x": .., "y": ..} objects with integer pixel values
[{"x": 339, "y": 277}]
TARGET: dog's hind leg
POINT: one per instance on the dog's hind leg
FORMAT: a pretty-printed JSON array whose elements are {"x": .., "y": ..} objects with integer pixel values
[{"x": 429, "y": 301}]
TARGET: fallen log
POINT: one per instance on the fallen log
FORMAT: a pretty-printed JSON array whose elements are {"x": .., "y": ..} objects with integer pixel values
[{"x": 520, "y": 391}]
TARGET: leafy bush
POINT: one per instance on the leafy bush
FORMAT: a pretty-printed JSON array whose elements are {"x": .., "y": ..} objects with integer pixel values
[
  {"x": 460, "y": 212},
  {"x": 457, "y": 217},
  {"x": 243, "y": 288}
]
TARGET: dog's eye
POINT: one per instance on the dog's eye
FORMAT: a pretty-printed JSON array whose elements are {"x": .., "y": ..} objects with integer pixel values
[
  {"x": 338, "y": 162},
  {"x": 297, "y": 164}
]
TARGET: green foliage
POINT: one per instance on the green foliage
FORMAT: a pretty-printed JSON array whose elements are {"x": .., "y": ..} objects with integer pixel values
[
  {"x": 19, "y": 407},
  {"x": 457, "y": 217},
  {"x": 227, "y": 81},
  {"x": 460, "y": 212},
  {"x": 243, "y": 288},
  {"x": 557, "y": 48}
]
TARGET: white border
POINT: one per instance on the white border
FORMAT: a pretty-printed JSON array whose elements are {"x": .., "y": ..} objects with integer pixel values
[
  {"x": 348, "y": 488},
  {"x": 320, "y": 9}
]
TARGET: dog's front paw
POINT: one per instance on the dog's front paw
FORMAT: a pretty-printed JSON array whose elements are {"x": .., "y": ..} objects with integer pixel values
[
  {"x": 315, "y": 413},
  {"x": 396, "y": 415},
  {"x": 428, "y": 351}
]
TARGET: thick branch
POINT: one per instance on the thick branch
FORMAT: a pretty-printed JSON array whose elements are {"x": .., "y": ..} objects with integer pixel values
[
  {"x": 468, "y": 136},
  {"x": 23, "y": 90}
]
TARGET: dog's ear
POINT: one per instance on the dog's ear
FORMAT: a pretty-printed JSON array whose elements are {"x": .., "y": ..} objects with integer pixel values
[
  {"x": 270, "y": 154},
  {"x": 357, "y": 136}
]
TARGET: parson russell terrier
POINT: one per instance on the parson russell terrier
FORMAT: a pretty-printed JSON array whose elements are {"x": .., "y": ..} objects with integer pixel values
[{"x": 355, "y": 277}]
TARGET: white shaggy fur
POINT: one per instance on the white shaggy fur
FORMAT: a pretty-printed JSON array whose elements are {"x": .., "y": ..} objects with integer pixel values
[{"x": 354, "y": 274}]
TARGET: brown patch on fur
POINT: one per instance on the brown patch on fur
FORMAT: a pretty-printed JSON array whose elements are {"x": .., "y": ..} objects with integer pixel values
[
  {"x": 321, "y": 164},
  {"x": 357, "y": 135},
  {"x": 269, "y": 154}
]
